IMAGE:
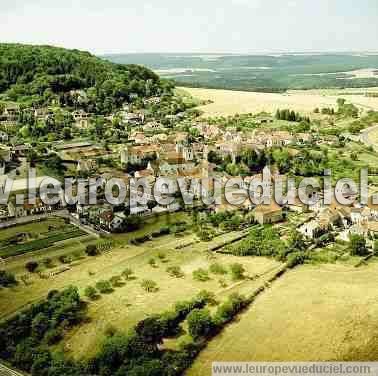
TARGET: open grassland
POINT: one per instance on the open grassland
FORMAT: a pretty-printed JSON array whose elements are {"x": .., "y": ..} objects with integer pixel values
[
  {"x": 315, "y": 313},
  {"x": 129, "y": 302},
  {"x": 227, "y": 102}
]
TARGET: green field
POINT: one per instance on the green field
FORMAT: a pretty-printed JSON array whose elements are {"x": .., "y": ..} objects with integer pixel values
[{"x": 33, "y": 237}]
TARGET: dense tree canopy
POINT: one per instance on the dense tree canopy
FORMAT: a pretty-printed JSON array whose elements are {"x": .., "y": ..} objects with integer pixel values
[{"x": 41, "y": 75}]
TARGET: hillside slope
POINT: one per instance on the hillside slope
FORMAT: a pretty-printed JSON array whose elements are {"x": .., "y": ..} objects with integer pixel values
[{"x": 40, "y": 75}]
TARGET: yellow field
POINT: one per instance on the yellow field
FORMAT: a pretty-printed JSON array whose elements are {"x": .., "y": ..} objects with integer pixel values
[
  {"x": 313, "y": 313},
  {"x": 227, "y": 102}
]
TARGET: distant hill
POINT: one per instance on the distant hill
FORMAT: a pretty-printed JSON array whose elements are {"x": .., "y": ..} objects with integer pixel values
[
  {"x": 274, "y": 73},
  {"x": 40, "y": 75}
]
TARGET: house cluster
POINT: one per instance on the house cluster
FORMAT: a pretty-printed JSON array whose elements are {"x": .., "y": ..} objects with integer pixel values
[{"x": 346, "y": 220}]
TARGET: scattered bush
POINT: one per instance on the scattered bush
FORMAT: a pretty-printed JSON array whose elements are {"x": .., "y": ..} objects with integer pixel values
[
  {"x": 90, "y": 292},
  {"x": 237, "y": 271},
  {"x": 175, "y": 271},
  {"x": 91, "y": 250},
  {"x": 201, "y": 275},
  {"x": 149, "y": 285},
  {"x": 7, "y": 279},
  {"x": 105, "y": 287},
  {"x": 217, "y": 269}
]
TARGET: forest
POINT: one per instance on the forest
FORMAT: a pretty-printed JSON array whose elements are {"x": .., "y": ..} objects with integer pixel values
[{"x": 43, "y": 75}]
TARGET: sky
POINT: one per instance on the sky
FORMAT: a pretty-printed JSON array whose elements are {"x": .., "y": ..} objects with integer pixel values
[{"x": 195, "y": 26}]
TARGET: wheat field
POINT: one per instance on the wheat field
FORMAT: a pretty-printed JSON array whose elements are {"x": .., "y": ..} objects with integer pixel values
[{"x": 228, "y": 102}]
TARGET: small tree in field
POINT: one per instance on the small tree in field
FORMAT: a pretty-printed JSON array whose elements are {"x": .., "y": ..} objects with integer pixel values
[
  {"x": 31, "y": 266},
  {"x": 90, "y": 292},
  {"x": 91, "y": 250},
  {"x": 217, "y": 268},
  {"x": 105, "y": 287},
  {"x": 201, "y": 275},
  {"x": 149, "y": 285},
  {"x": 237, "y": 271}
]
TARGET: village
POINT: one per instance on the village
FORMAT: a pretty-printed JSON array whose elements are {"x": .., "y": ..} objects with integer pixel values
[{"x": 177, "y": 145}]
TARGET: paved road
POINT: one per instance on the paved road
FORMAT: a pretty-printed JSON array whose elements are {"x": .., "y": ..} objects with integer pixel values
[{"x": 5, "y": 371}]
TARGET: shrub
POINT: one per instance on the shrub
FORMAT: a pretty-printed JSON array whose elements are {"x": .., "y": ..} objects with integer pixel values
[
  {"x": 127, "y": 273},
  {"x": 105, "y": 287},
  {"x": 7, "y": 279},
  {"x": 31, "y": 266},
  {"x": 200, "y": 323},
  {"x": 175, "y": 271},
  {"x": 90, "y": 292},
  {"x": 201, "y": 275},
  {"x": 91, "y": 250},
  {"x": 217, "y": 269},
  {"x": 149, "y": 285},
  {"x": 237, "y": 271}
]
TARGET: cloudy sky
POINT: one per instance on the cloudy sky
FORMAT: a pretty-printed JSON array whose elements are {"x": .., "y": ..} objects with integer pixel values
[{"x": 238, "y": 26}]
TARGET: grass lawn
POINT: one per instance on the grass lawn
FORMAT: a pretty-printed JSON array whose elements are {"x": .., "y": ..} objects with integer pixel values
[{"x": 317, "y": 313}]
